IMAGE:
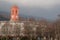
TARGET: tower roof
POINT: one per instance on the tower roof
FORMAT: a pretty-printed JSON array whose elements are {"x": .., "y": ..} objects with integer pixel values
[{"x": 14, "y": 6}]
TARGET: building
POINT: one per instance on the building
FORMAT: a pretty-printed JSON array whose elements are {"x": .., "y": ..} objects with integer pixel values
[
  {"x": 29, "y": 29},
  {"x": 14, "y": 13},
  {"x": 15, "y": 29},
  {"x": 12, "y": 28}
]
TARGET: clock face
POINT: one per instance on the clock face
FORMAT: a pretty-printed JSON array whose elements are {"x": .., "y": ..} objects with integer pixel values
[
  {"x": 12, "y": 16},
  {"x": 16, "y": 16}
]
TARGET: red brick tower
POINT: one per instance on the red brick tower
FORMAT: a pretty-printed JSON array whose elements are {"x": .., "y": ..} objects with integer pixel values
[{"x": 14, "y": 13}]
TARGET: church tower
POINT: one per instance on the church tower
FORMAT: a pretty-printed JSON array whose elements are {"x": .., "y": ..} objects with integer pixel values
[{"x": 14, "y": 13}]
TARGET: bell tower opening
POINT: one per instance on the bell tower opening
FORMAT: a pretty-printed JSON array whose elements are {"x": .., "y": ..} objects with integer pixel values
[{"x": 14, "y": 13}]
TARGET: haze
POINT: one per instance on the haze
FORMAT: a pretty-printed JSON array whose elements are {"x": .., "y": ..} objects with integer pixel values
[{"x": 48, "y": 9}]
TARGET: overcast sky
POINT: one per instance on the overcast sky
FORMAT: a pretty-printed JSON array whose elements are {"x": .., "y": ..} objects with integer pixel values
[
  {"x": 35, "y": 3},
  {"x": 40, "y": 8}
]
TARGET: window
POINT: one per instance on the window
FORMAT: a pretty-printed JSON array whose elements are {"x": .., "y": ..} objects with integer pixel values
[
  {"x": 16, "y": 11},
  {"x": 12, "y": 12}
]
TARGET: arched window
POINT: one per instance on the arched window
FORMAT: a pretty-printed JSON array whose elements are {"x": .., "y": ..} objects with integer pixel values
[
  {"x": 12, "y": 12},
  {"x": 16, "y": 11}
]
